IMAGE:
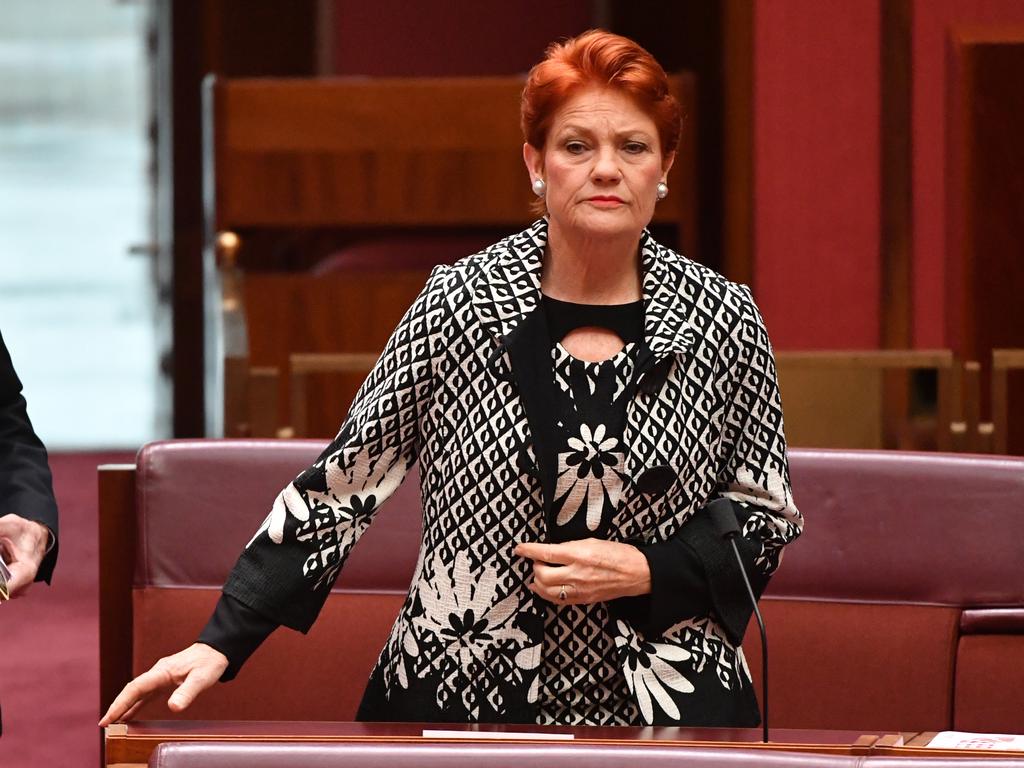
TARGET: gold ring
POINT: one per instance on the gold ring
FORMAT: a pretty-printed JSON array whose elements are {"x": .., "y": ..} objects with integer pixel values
[{"x": 561, "y": 593}]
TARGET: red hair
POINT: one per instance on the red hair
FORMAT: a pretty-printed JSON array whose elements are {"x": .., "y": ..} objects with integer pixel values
[{"x": 604, "y": 59}]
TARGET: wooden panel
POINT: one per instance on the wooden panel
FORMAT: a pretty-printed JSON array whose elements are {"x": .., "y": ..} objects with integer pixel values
[
  {"x": 985, "y": 199},
  {"x": 354, "y": 312},
  {"x": 842, "y": 399},
  {"x": 370, "y": 152},
  {"x": 1005, "y": 362},
  {"x": 291, "y": 156},
  {"x": 116, "y": 574},
  {"x": 896, "y": 176},
  {"x": 823, "y": 410},
  {"x": 191, "y": 39}
]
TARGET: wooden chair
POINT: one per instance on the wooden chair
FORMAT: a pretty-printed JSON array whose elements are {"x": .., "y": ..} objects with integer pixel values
[
  {"x": 969, "y": 433},
  {"x": 863, "y": 399},
  {"x": 295, "y": 169},
  {"x": 303, "y": 367},
  {"x": 1004, "y": 361}
]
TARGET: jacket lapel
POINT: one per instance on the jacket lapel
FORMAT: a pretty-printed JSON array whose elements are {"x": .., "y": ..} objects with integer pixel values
[
  {"x": 668, "y": 303},
  {"x": 668, "y": 337},
  {"x": 529, "y": 351},
  {"x": 506, "y": 300}
]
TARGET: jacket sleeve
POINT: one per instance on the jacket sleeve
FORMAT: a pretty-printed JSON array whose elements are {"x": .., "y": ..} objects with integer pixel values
[
  {"x": 695, "y": 572},
  {"x": 26, "y": 486},
  {"x": 286, "y": 571}
]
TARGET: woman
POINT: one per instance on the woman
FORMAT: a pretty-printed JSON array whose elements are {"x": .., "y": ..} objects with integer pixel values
[{"x": 575, "y": 395}]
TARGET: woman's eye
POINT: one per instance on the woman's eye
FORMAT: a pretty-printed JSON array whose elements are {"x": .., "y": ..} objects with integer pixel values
[
  {"x": 575, "y": 147},
  {"x": 635, "y": 147}
]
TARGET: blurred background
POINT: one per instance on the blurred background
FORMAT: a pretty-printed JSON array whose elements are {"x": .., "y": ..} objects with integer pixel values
[
  {"x": 853, "y": 162},
  {"x": 77, "y": 307},
  {"x": 213, "y": 212}
]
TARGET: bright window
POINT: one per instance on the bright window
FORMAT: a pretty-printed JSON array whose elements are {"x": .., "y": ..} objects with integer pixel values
[{"x": 76, "y": 310}]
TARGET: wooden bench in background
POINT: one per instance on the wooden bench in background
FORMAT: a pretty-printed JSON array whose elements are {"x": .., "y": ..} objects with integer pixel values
[
  {"x": 866, "y": 398},
  {"x": 303, "y": 175}
]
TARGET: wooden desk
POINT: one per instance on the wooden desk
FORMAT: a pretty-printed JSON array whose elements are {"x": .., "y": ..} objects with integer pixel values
[
  {"x": 916, "y": 745},
  {"x": 130, "y": 745}
]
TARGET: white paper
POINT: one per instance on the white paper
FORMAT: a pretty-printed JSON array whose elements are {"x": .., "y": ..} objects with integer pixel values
[
  {"x": 989, "y": 741},
  {"x": 5, "y": 577},
  {"x": 496, "y": 735}
]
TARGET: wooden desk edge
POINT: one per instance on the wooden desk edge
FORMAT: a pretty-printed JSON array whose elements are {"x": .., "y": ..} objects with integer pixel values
[
  {"x": 916, "y": 745},
  {"x": 126, "y": 749}
]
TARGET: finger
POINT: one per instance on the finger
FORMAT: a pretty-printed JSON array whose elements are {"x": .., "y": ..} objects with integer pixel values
[
  {"x": 186, "y": 693},
  {"x": 120, "y": 709},
  {"x": 542, "y": 592},
  {"x": 562, "y": 594},
  {"x": 132, "y": 710},
  {"x": 122, "y": 703},
  {"x": 8, "y": 551},
  {"x": 546, "y": 553},
  {"x": 21, "y": 579},
  {"x": 137, "y": 691},
  {"x": 549, "y": 575},
  {"x": 553, "y": 592}
]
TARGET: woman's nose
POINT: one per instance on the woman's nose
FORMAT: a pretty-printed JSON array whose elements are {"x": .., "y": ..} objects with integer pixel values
[{"x": 606, "y": 166}]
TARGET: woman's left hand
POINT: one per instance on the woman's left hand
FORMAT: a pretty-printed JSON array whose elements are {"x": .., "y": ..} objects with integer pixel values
[{"x": 586, "y": 571}]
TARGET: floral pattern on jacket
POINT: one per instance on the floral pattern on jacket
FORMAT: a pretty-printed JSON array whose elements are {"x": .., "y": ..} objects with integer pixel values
[{"x": 446, "y": 392}]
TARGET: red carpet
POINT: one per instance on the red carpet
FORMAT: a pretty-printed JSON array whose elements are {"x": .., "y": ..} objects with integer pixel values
[{"x": 49, "y": 666}]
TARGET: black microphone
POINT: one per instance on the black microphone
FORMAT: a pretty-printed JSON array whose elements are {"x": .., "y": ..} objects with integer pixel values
[{"x": 724, "y": 520}]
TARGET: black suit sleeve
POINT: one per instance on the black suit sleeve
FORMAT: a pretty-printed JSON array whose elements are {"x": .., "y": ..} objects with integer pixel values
[
  {"x": 695, "y": 573},
  {"x": 26, "y": 486},
  {"x": 236, "y": 630}
]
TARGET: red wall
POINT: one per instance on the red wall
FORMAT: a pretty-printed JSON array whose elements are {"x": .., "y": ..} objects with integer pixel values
[
  {"x": 816, "y": 169},
  {"x": 484, "y": 37},
  {"x": 816, "y": 136},
  {"x": 932, "y": 21}
]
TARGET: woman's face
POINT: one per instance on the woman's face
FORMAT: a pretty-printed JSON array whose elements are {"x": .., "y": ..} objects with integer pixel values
[{"x": 601, "y": 165}]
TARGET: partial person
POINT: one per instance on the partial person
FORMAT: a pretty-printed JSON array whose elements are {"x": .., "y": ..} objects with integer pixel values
[
  {"x": 576, "y": 395},
  {"x": 28, "y": 510}
]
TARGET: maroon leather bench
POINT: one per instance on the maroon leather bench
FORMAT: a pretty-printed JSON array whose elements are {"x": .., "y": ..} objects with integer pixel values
[
  {"x": 196, "y": 504},
  {"x": 540, "y": 755},
  {"x": 901, "y": 607}
]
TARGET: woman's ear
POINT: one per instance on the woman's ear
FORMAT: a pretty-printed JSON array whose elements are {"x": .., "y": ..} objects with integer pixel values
[
  {"x": 534, "y": 160},
  {"x": 666, "y": 163}
]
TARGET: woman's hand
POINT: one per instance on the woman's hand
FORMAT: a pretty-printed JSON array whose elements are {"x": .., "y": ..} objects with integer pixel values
[
  {"x": 192, "y": 670},
  {"x": 587, "y": 571}
]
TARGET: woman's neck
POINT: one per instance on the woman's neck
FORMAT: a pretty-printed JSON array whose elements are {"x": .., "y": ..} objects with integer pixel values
[{"x": 591, "y": 270}]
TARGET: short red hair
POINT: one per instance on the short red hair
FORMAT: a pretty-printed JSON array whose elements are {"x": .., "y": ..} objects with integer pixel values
[{"x": 598, "y": 58}]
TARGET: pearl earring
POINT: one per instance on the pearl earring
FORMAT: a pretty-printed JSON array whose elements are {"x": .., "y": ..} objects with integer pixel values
[
  {"x": 539, "y": 187},
  {"x": 662, "y": 190}
]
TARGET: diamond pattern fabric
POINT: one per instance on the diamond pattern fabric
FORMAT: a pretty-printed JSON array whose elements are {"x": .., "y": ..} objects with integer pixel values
[{"x": 469, "y": 640}]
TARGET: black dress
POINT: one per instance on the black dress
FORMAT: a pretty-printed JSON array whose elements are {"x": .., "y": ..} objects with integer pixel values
[{"x": 581, "y": 681}]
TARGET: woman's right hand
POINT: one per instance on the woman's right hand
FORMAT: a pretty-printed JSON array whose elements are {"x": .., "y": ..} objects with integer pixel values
[{"x": 189, "y": 672}]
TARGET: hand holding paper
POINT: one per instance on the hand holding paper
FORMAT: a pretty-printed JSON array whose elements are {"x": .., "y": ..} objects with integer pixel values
[
  {"x": 22, "y": 548},
  {"x": 5, "y": 579}
]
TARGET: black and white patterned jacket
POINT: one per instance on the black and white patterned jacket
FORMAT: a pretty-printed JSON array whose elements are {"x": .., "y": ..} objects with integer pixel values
[{"x": 461, "y": 387}]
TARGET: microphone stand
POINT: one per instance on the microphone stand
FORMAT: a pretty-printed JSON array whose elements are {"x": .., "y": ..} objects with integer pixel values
[
  {"x": 724, "y": 521},
  {"x": 764, "y": 642}
]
